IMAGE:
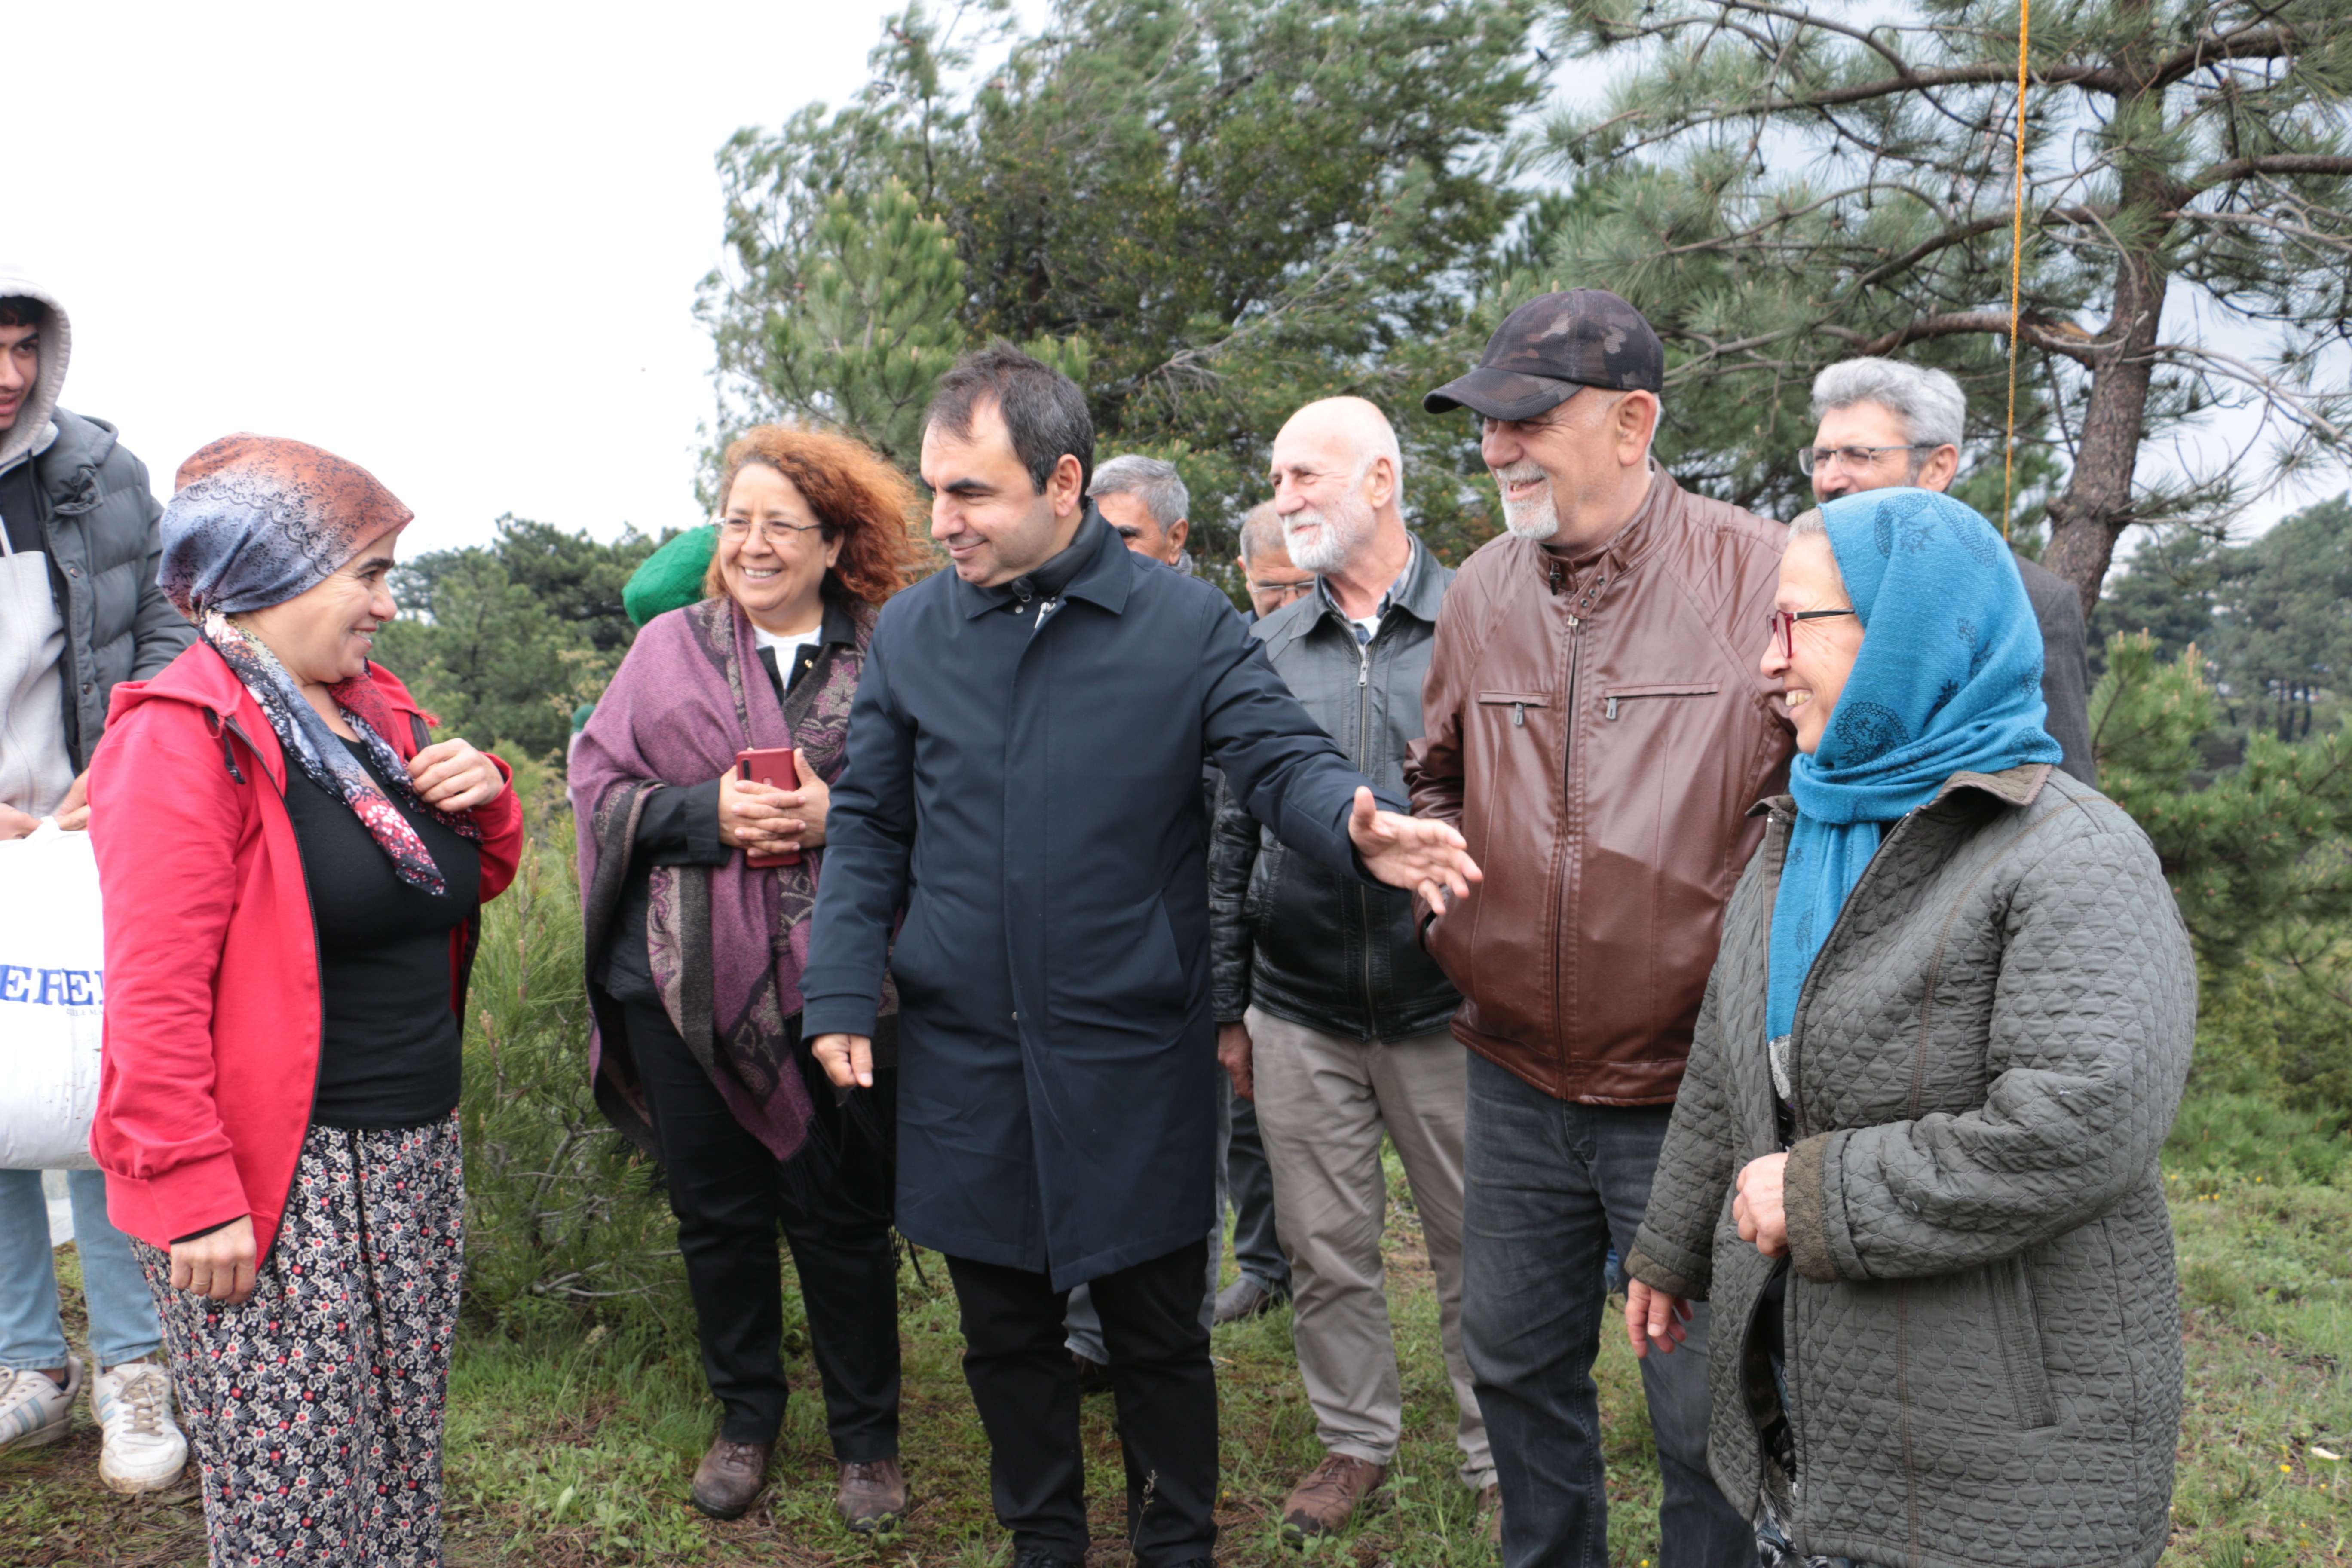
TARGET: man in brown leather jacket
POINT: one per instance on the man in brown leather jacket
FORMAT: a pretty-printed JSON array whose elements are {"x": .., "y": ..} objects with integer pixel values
[{"x": 1597, "y": 728}]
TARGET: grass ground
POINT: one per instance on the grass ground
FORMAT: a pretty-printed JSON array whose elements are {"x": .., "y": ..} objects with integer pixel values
[{"x": 570, "y": 1447}]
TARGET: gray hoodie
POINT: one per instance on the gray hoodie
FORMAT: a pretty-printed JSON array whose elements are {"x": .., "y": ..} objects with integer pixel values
[
  {"x": 35, "y": 429},
  {"x": 96, "y": 520}
]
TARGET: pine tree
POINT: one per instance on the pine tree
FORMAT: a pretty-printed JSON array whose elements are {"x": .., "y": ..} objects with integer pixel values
[
  {"x": 501, "y": 642},
  {"x": 2259, "y": 859},
  {"x": 1211, "y": 212},
  {"x": 853, "y": 326},
  {"x": 1789, "y": 183}
]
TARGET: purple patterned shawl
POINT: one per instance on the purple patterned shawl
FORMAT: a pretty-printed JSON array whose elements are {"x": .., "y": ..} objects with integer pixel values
[{"x": 727, "y": 943}]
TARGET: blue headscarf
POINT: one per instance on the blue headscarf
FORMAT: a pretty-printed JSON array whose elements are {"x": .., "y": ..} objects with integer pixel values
[{"x": 1949, "y": 679}]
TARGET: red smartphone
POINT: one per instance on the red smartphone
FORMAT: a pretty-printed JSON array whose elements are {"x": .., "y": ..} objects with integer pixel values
[{"x": 770, "y": 766}]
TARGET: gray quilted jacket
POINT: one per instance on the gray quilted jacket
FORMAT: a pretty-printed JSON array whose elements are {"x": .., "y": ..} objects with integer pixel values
[{"x": 1983, "y": 1342}]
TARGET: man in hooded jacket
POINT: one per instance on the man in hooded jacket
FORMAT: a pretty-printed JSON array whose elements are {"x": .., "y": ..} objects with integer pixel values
[{"x": 80, "y": 612}]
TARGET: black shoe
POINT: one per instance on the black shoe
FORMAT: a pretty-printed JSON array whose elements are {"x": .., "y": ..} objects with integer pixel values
[
  {"x": 1094, "y": 1377},
  {"x": 1038, "y": 1557}
]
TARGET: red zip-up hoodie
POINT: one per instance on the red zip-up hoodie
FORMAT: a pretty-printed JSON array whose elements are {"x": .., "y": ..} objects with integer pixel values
[{"x": 213, "y": 1018}]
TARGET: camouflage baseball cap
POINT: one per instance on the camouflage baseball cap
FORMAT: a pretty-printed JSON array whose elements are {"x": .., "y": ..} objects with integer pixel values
[{"x": 1551, "y": 346}]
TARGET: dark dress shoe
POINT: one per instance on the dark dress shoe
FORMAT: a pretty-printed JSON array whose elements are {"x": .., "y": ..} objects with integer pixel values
[
  {"x": 1094, "y": 1377},
  {"x": 873, "y": 1495},
  {"x": 1038, "y": 1557},
  {"x": 730, "y": 1476}
]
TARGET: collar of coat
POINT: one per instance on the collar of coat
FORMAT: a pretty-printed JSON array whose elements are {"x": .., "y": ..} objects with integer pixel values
[
  {"x": 2011, "y": 786},
  {"x": 1623, "y": 549},
  {"x": 1104, "y": 578},
  {"x": 1418, "y": 591}
]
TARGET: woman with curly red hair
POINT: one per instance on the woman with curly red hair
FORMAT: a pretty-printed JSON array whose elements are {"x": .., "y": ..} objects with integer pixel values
[{"x": 697, "y": 888}]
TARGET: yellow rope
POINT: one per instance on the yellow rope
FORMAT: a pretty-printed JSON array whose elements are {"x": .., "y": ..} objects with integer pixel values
[{"x": 2016, "y": 266}]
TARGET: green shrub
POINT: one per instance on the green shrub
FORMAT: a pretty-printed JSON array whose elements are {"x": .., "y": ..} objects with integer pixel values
[
  {"x": 2251, "y": 1136},
  {"x": 562, "y": 1218}
]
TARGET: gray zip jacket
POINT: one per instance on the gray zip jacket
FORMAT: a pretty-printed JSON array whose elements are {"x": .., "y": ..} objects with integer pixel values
[
  {"x": 1286, "y": 934},
  {"x": 1983, "y": 1340}
]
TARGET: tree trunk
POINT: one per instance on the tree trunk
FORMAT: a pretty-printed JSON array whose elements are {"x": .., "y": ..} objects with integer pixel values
[{"x": 2097, "y": 505}]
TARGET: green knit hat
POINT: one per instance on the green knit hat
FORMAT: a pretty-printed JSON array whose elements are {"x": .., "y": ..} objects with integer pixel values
[{"x": 671, "y": 577}]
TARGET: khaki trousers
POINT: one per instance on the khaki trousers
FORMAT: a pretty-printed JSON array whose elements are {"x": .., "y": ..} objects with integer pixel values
[{"x": 1323, "y": 1101}]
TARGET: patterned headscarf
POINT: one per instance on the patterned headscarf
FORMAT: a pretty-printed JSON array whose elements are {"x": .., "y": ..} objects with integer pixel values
[
  {"x": 1949, "y": 679},
  {"x": 256, "y": 521}
]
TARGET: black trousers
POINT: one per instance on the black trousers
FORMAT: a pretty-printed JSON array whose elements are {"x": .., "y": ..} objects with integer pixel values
[
  {"x": 731, "y": 1196},
  {"x": 1026, "y": 1387}
]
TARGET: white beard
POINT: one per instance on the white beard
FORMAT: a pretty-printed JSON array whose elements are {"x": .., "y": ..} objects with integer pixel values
[
  {"x": 1535, "y": 519},
  {"x": 1341, "y": 528}
]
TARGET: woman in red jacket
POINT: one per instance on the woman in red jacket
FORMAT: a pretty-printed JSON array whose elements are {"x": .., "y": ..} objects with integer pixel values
[{"x": 292, "y": 882}]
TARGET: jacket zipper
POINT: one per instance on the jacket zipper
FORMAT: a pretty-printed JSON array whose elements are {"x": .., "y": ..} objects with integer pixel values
[
  {"x": 1568, "y": 810},
  {"x": 318, "y": 970},
  {"x": 1805, "y": 992},
  {"x": 1796, "y": 1090}
]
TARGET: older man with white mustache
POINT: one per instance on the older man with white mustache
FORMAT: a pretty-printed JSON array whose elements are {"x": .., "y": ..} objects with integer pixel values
[{"x": 1597, "y": 727}]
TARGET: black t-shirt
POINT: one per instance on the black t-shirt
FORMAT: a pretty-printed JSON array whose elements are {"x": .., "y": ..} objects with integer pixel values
[
  {"x": 392, "y": 1051},
  {"x": 17, "y": 509}
]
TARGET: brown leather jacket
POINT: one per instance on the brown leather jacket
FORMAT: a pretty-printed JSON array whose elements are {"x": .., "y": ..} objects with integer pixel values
[{"x": 1597, "y": 728}]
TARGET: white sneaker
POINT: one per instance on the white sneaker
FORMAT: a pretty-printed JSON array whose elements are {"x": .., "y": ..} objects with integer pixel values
[
  {"x": 34, "y": 1410},
  {"x": 144, "y": 1451}
]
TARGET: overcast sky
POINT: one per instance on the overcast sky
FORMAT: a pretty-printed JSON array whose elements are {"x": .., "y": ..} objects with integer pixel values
[{"x": 456, "y": 244}]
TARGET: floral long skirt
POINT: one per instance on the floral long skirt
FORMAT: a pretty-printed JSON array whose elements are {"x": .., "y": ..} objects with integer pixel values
[{"x": 314, "y": 1410}]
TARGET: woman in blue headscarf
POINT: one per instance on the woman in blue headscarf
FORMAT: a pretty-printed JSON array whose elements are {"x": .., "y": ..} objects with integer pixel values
[{"x": 1915, "y": 1155}]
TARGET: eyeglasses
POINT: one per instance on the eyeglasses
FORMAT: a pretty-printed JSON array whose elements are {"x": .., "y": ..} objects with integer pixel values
[
  {"x": 1851, "y": 459},
  {"x": 739, "y": 529},
  {"x": 1285, "y": 592},
  {"x": 1783, "y": 624}
]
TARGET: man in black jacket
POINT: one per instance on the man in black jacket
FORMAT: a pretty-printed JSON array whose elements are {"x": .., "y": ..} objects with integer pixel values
[
  {"x": 1025, "y": 786},
  {"x": 1329, "y": 1011}
]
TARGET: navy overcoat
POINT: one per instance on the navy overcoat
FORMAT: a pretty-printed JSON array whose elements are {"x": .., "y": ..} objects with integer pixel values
[{"x": 1030, "y": 794}]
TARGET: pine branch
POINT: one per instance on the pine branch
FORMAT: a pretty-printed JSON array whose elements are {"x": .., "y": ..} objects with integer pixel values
[
  {"x": 2053, "y": 337},
  {"x": 2232, "y": 169}
]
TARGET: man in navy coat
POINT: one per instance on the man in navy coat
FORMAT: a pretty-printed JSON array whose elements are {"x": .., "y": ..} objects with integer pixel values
[{"x": 1023, "y": 782}]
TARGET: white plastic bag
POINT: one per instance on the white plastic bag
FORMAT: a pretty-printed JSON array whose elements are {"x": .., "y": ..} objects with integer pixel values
[{"x": 52, "y": 1000}]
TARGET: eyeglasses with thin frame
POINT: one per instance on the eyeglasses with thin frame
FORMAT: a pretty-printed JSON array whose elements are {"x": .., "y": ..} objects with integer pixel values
[
  {"x": 740, "y": 528},
  {"x": 1783, "y": 624},
  {"x": 1853, "y": 459},
  {"x": 1285, "y": 592}
]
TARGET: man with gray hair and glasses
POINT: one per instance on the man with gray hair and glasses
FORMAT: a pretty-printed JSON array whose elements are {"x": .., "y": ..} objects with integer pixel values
[
  {"x": 1881, "y": 422},
  {"x": 1144, "y": 501}
]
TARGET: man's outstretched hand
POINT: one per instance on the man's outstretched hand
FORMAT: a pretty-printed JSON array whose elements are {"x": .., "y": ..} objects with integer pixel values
[{"x": 1425, "y": 857}]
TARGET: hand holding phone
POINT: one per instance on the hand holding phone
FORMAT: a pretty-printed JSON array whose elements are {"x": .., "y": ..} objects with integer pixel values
[{"x": 773, "y": 766}]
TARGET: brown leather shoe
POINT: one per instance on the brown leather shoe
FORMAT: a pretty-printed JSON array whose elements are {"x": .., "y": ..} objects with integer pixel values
[
  {"x": 873, "y": 1495},
  {"x": 1327, "y": 1498},
  {"x": 730, "y": 1476}
]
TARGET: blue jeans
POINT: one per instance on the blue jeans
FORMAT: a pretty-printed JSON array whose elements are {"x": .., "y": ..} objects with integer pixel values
[
  {"x": 121, "y": 1313},
  {"x": 1549, "y": 1187}
]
